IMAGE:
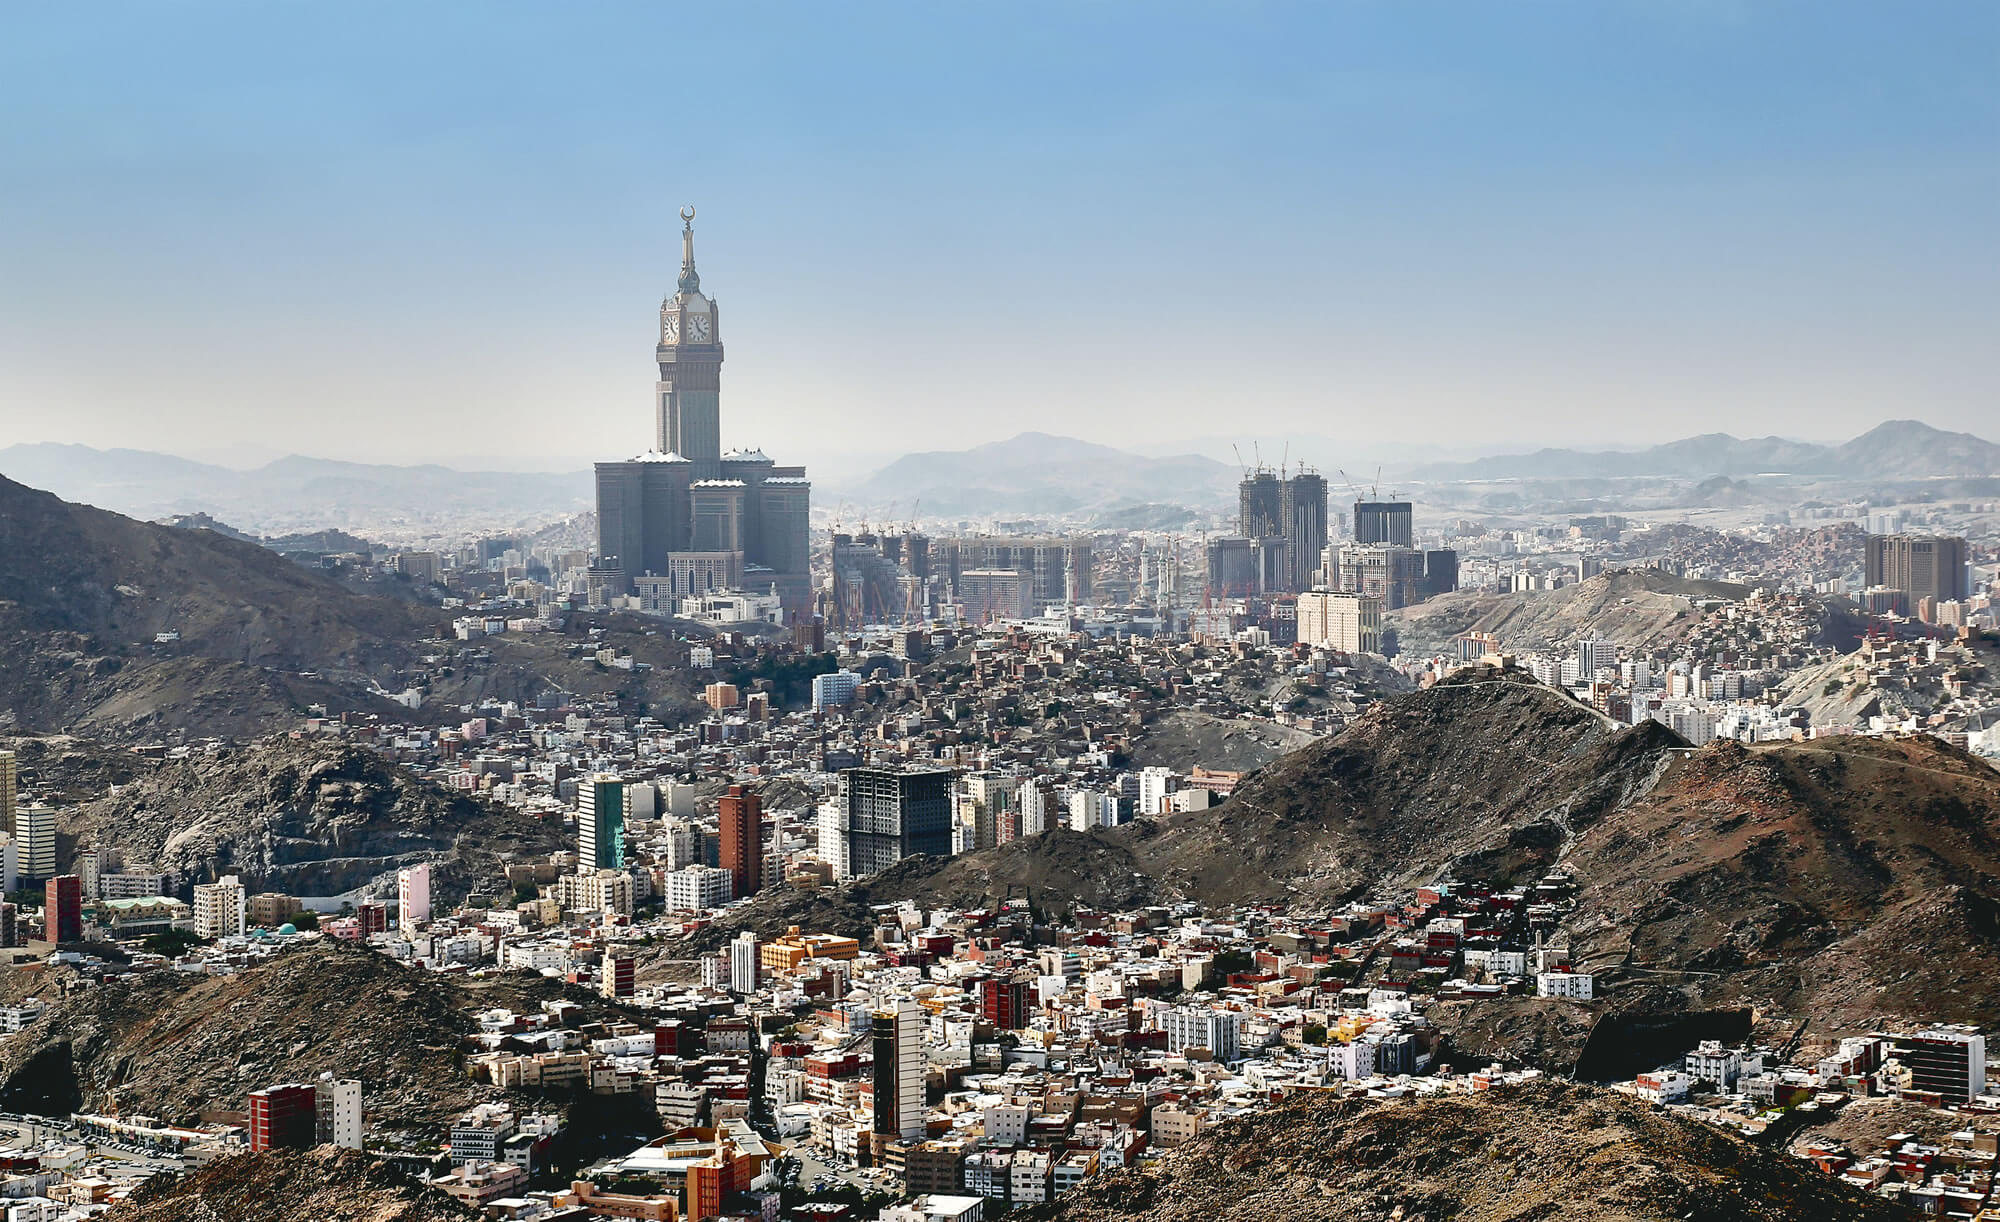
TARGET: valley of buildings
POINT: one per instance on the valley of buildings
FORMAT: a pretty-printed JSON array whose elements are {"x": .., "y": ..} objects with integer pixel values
[{"x": 876, "y": 694}]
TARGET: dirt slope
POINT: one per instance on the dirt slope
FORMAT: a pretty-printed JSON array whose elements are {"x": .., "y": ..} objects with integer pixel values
[
  {"x": 306, "y": 816},
  {"x": 1552, "y": 1153},
  {"x": 84, "y": 592},
  {"x": 325, "y": 1185},
  {"x": 169, "y": 1045},
  {"x": 1845, "y": 878}
]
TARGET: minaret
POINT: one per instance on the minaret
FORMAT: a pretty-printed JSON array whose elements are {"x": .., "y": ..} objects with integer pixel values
[{"x": 689, "y": 392}]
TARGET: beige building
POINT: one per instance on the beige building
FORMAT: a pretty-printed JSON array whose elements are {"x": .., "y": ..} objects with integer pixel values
[
  {"x": 219, "y": 908},
  {"x": 1174, "y": 1126},
  {"x": 1350, "y": 623}
]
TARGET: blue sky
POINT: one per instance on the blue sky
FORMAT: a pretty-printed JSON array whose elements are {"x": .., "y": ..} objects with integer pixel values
[{"x": 442, "y": 231}]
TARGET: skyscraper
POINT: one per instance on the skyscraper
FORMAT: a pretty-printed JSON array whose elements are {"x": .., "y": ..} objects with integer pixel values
[
  {"x": 685, "y": 511},
  {"x": 1302, "y": 509},
  {"x": 1282, "y": 523},
  {"x": 600, "y": 823},
  {"x": 741, "y": 834},
  {"x": 898, "y": 1031},
  {"x": 1260, "y": 505},
  {"x": 1383, "y": 522},
  {"x": 886, "y": 816},
  {"x": 35, "y": 840},
  {"x": 10, "y": 780},
  {"x": 1922, "y": 566}
]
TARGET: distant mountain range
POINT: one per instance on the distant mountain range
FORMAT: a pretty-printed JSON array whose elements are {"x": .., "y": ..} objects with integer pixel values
[
  {"x": 294, "y": 493},
  {"x": 1041, "y": 473},
  {"x": 1896, "y": 449}
]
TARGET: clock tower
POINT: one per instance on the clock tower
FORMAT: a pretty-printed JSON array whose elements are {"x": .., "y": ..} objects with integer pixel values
[{"x": 689, "y": 392}]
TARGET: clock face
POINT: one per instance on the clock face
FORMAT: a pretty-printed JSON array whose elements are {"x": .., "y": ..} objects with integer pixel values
[
  {"x": 698, "y": 327},
  {"x": 670, "y": 329}
]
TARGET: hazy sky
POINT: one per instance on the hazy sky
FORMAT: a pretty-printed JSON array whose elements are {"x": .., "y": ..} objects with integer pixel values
[{"x": 442, "y": 231}]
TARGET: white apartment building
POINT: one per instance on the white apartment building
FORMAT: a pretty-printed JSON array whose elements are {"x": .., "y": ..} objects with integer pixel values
[
  {"x": 339, "y": 1103},
  {"x": 698, "y": 888},
  {"x": 1201, "y": 1027},
  {"x": 1575, "y": 986},
  {"x": 413, "y": 896},
  {"x": 1156, "y": 789},
  {"x": 743, "y": 954},
  {"x": 220, "y": 907}
]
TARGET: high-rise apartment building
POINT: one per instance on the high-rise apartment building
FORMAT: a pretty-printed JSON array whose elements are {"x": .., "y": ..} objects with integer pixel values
[
  {"x": 741, "y": 836},
  {"x": 1202, "y": 1027},
  {"x": 834, "y": 690},
  {"x": 1922, "y": 566},
  {"x": 337, "y": 1102},
  {"x": 63, "y": 909},
  {"x": 1350, "y": 623},
  {"x": 697, "y": 888},
  {"x": 283, "y": 1117},
  {"x": 35, "y": 840},
  {"x": 1945, "y": 1061},
  {"x": 685, "y": 510},
  {"x": 1384, "y": 522},
  {"x": 743, "y": 961},
  {"x": 600, "y": 822},
  {"x": 887, "y": 816},
  {"x": 10, "y": 785},
  {"x": 220, "y": 908},
  {"x": 898, "y": 1031},
  {"x": 413, "y": 896}
]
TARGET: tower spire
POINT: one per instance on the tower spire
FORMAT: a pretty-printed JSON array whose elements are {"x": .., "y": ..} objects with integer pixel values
[{"x": 689, "y": 282}]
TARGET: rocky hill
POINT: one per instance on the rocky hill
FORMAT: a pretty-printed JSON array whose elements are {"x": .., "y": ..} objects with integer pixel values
[
  {"x": 1553, "y": 1153},
  {"x": 1639, "y": 608},
  {"x": 1846, "y": 879},
  {"x": 1842, "y": 878},
  {"x": 85, "y": 595},
  {"x": 169, "y": 1045},
  {"x": 1492, "y": 773},
  {"x": 305, "y": 816},
  {"x": 326, "y": 1185}
]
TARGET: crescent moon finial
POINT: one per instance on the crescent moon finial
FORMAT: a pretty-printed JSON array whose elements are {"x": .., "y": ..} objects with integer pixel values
[{"x": 687, "y": 214}]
